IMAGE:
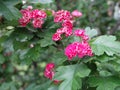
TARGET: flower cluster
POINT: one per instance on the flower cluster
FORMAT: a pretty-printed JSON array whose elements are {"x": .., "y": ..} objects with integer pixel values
[
  {"x": 79, "y": 49},
  {"x": 81, "y": 33},
  {"x": 49, "y": 73},
  {"x": 66, "y": 18},
  {"x": 35, "y": 16}
]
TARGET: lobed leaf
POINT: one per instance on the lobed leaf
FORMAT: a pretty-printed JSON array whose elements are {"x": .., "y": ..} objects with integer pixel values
[
  {"x": 71, "y": 76},
  {"x": 105, "y": 44}
]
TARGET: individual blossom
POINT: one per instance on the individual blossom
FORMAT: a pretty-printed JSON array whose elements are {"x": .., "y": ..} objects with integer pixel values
[
  {"x": 60, "y": 31},
  {"x": 29, "y": 7},
  {"x": 62, "y": 15},
  {"x": 37, "y": 23},
  {"x": 56, "y": 37},
  {"x": 76, "y": 13}
]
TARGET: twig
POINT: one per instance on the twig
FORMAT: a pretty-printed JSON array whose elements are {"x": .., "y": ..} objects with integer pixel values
[
  {"x": 114, "y": 29},
  {"x": 58, "y": 4}
]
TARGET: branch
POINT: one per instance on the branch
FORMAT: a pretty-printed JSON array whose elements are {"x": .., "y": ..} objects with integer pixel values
[
  {"x": 58, "y": 4},
  {"x": 114, "y": 29}
]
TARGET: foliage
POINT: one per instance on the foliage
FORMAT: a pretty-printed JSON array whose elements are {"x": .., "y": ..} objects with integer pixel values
[{"x": 25, "y": 51}]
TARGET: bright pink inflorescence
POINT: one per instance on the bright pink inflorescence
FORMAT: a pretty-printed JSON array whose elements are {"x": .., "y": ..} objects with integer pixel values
[
  {"x": 79, "y": 49},
  {"x": 36, "y": 16},
  {"x": 81, "y": 33},
  {"x": 64, "y": 17},
  {"x": 49, "y": 72}
]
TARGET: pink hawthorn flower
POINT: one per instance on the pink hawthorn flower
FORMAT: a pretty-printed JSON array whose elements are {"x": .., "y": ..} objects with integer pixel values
[
  {"x": 70, "y": 51},
  {"x": 87, "y": 49},
  {"x": 81, "y": 33},
  {"x": 50, "y": 66},
  {"x": 67, "y": 23},
  {"x": 76, "y": 13},
  {"x": 38, "y": 14},
  {"x": 61, "y": 15},
  {"x": 24, "y": 21},
  {"x": 30, "y": 7},
  {"x": 60, "y": 31},
  {"x": 56, "y": 37},
  {"x": 26, "y": 13},
  {"x": 84, "y": 49},
  {"x": 64, "y": 30},
  {"x": 85, "y": 38},
  {"x": 78, "y": 48},
  {"x": 26, "y": 16},
  {"x": 68, "y": 31},
  {"x": 37, "y": 23},
  {"x": 49, "y": 73}
]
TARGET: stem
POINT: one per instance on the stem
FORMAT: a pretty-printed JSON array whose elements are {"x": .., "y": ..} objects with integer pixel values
[
  {"x": 114, "y": 29},
  {"x": 58, "y": 4}
]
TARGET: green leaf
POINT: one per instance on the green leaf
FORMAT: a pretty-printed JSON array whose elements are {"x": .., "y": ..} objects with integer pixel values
[
  {"x": 47, "y": 40},
  {"x": 53, "y": 87},
  {"x": 30, "y": 54},
  {"x": 59, "y": 57},
  {"x": 104, "y": 83},
  {"x": 105, "y": 58},
  {"x": 8, "y": 86},
  {"x": 90, "y": 32},
  {"x": 8, "y": 10},
  {"x": 8, "y": 45},
  {"x": 105, "y": 44},
  {"x": 71, "y": 76},
  {"x": 33, "y": 86},
  {"x": 2, "y": 59},
  {"x": 22, "y": 35}
]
